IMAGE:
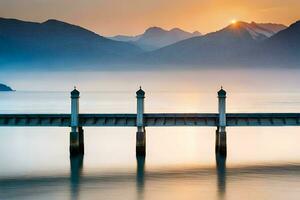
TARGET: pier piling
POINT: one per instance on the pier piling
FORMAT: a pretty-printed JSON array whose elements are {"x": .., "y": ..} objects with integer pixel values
[
  {"x": 76, "y": 135},
  {"x": 81, "y": 140},
  {"x": 141, "y": 132},
  {"x": 221, "y": 146},
  {"x": 141, "y": 120}
]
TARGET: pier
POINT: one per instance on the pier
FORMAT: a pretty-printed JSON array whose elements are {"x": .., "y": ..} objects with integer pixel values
[{"x": 142, "y": 120}]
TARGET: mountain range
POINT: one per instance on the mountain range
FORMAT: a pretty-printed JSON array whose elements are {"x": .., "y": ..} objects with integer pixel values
[
  {"x": 156, "y": 37},
  {"x": 260, "y": 31},
  {"x": 239, "y": 44},
  {"x": 56, "y": 41}
]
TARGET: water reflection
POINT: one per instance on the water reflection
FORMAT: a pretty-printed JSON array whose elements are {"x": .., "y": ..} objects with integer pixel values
[
  {"x": 76, "y": 163},
  {"x": 221, "y": 174},
  {"x": 140, "y": 177}
]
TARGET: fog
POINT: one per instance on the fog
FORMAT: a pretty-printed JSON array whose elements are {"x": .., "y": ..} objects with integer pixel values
[{"x": 184, "y": 79}]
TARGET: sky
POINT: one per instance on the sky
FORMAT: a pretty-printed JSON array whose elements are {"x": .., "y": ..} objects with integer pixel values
[{"x": 131, "y": 17}]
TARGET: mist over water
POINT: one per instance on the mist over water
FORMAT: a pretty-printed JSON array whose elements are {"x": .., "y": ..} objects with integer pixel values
[
  {"x": 164, "y": 78},
  {"x": 180, "y": 162}
]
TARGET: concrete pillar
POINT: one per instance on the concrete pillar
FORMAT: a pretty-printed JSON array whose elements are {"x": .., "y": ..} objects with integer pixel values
[
  {"x": 217, "y": 141},
  {"x": 141, "y": 133},
  {"x": 75, "y": 137},
  {"x": 222, "y": 110},
  {"x": 221, "y": 146}
]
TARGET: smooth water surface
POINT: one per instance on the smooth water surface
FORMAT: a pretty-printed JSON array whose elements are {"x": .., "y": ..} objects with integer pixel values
[{"x": 261, "y": 163}]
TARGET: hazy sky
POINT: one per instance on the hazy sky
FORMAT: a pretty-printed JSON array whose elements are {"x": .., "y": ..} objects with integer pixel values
[{"x": 110, "y": 17}]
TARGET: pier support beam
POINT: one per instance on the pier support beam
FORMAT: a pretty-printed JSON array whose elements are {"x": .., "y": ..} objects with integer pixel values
[
  {"x": 81, "y": 140},
  {"x": 141, "y": 132},
  {"x": 141, "y": 142},
  {"x": 76, "y": 135},
  {"x": 221, "y": 146}
]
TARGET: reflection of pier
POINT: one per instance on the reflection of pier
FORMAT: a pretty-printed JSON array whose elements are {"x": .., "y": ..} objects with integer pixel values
[
  {"x": 76, "y": 163},
  {"x": 197, "y": 172},
  {"x": 140, "y": 176},
  {"x": 141, "y": 120},
  {"x": 221, "y": 174}
]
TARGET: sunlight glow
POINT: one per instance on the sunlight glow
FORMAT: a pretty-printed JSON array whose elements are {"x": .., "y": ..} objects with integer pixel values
[{"x": 234, "y": 21}]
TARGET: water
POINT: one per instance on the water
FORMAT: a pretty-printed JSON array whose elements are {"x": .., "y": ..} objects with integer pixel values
[
  {"x": 180, "y": 162},
  {"x": 261, "y": 163}
]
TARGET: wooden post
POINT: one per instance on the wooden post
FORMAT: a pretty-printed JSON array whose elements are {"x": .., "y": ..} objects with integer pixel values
[
  {"x": 140, "y": 135},
  {"x": 76, "y": 135},
  {"x": 221, "y": 146}
]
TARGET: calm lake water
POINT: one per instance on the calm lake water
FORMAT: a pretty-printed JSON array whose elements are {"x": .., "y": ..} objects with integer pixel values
[{"x": 261, "y": 163}]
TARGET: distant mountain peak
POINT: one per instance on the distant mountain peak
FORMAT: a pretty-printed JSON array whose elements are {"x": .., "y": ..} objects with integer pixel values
[
  {"x": 237, "y": 44},
  {"x": 52, "y": 21},
  {"x": 296, "y": 24},
  {"x": 258, "y": 31},
  {"x": 9, "y": 19},
  {"x": 177, "y": 30},
  {"x": 157, "y": 37},
  {"x": 58, "y": 23},
  {"x": 196, "y": 33},
  {"x": 55, "y": 41},
  {"x": 154, "y": 30}
]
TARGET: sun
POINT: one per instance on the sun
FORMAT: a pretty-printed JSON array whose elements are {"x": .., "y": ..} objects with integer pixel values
[{"x": 233, "y": 21}]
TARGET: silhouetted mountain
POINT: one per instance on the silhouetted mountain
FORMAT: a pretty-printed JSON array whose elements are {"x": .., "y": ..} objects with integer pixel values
[
  {"x": 260, "y": 31},
  {"x": 56, "y": 41},
  {"x": 155, "y": 37},
  {"x": 283, "y": 47},
  {"x": 5, "y": 88},
  {"x": 238, "y": 43},
  {"x": 125, "y": 38},
  {"x": 211, "y": 48},
  {"x": 272, "y": 28}
]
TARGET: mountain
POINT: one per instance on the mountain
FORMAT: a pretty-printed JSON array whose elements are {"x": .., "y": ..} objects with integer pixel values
[
  {"x": 261, "y": 31},
  {"x": 5, "y": 88},
  {"x": 241, "y": 43},
  {"x": 155, "y": 37},
  {"x": 209, "y": 49},
  {"x": 272, "y": 28},
  {"x": 125, "y": 38},
  {"x": 283, "y": 47},
  {"x": 235, "y": 44},
  {"x": 57, "y": 41}
]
